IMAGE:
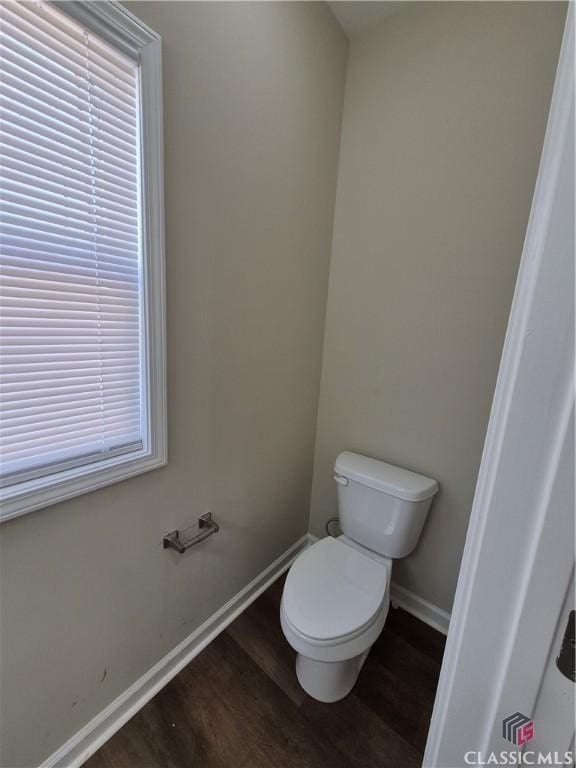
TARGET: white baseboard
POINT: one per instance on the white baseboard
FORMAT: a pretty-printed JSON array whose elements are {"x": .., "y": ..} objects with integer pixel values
[
  {"x": 94, "y": 734},
  {"x": 427, "y": 612}
]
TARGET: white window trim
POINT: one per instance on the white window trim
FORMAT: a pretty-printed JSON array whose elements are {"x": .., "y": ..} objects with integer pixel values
[{"x": 119, "y": 27}]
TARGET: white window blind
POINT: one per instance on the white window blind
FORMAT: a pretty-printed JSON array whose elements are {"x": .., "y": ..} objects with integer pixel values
[{"x": 71, "y": 352}]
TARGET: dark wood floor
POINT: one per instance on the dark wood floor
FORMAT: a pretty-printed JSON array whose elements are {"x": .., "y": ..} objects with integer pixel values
[{"x": 238, "y": 704}]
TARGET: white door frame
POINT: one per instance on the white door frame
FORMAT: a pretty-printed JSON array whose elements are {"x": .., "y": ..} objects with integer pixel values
[{"x": 496, "y": 612}]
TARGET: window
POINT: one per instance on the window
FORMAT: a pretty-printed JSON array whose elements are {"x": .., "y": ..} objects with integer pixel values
[{"x": 81, "y": 295}]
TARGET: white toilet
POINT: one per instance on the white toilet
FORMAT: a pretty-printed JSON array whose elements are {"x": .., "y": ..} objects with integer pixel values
[{"x": 337, "y": 592}]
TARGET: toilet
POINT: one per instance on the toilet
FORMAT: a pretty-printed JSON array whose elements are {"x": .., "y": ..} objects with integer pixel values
[{"x": 337, "y": 592}]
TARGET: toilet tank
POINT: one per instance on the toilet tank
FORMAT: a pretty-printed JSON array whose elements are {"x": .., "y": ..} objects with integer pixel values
[{"x": 380, "y": 506}]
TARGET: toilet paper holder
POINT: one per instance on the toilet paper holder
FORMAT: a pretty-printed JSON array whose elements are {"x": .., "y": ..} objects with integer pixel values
[{"x": 206, "y": 527}]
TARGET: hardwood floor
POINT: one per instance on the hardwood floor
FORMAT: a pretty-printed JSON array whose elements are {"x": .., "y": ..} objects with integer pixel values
[{"x": 238, "y": 704}]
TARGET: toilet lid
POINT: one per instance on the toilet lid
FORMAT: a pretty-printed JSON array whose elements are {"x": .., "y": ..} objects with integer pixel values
[{"x": 333, "y": 590}]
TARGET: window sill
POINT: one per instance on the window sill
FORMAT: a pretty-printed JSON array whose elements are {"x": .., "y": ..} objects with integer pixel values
[{"x": 41, "y": 492}]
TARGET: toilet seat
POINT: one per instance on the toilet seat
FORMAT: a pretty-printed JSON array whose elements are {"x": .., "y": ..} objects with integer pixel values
[{"x": 333, "y": 594}]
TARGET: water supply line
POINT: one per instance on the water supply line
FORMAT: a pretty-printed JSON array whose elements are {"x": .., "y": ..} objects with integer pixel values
[{"x": 330, "y": 523}]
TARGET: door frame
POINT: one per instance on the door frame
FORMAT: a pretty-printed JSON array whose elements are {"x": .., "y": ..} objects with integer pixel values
[{"x": 509, "y": 531}]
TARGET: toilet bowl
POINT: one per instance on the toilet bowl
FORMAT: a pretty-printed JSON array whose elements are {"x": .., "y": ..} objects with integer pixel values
[
  {"x": 337, "y": 593},
  {"x": 334, "y": 606}
]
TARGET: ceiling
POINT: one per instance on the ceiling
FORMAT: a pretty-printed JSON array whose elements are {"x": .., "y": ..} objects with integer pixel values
[{"x": 357, "y": 16}]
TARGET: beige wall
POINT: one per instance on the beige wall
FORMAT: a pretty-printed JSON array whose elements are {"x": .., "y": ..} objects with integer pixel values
[
  {"x": 444, "y": 117},
  {"x": 253, "y": 99}
]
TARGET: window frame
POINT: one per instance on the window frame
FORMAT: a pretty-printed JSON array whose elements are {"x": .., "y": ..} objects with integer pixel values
[{"x": 118, "y": 27}]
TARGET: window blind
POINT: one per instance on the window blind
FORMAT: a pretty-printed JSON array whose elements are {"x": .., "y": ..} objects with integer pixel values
[{"x": 70, "y": 257}]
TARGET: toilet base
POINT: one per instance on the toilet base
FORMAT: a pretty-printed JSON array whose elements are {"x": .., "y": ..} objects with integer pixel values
[{"x": 328, "y": 681}]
